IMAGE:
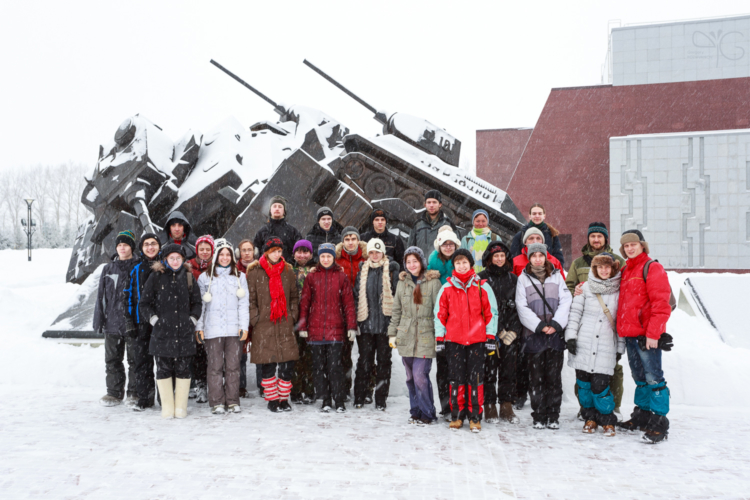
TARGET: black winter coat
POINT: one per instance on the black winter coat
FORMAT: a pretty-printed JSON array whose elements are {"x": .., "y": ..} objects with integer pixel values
[
  {"x": 554, "y": 247},
  {"x": 282, "y": 229},
  {"x": 394, "y": 245},
  {"x": 188, "y": 242},
  {"x": 376, "y": 321},
  {"x": 317, "y": 236},
  {"x": 503, "y": 284},
  {"x": 167, "y": 295},
  {"x": 109, "y": 311}
]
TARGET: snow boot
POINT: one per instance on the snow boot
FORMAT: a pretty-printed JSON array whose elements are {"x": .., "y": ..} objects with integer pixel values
[
  {"x": 166, "y": 393},
  {"x": 609, "y": 430},
  {"x": 368, "y": 399},
  {"x": 284, "y": 405},
  {"x": 590, "y": 427},
  {"x": 327, "y": 406},
  {"x": 506, "y": 413},
  {"x": 243, "y": 393},
  {"x": 218, "y": 410},
  {"x": 108, "y": 400},
  {"x": 234, "y": 409},
  {"x": 456, "y": 424},
  {"x": 296, "y": 399},
  {"x": 273, "y": 406},
  {"x": 307, "y": 400},
  {"x": 475, "y": 426},
  {"x": 181, "y": 392},
  {"x": 538, "y": 424},
  {"x": 553, "y": 425},
  {"x": 654, "y": 437},
  {"x": 359, "y": 406},
  {"x": 638, "y": 420},
  {"x": 380, "y": 407},
  {"x": 520, "y": 401},
  {"x": 341, "y": 408},
  {"x": 131, "y": 400},
  {"x": 201, "y": 394},
  {"x": 425, "y": 421},
  {"x": 490, "y": 413}
]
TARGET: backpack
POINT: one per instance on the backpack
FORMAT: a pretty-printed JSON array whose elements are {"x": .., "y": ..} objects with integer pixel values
[{"x": 672, "y": 301}]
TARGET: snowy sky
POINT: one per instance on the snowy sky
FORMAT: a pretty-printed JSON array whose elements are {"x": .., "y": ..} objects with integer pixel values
[{"x": 83, "y": 67}]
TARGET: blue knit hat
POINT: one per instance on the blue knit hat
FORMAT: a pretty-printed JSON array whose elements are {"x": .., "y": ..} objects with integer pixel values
[
  {"x": 327, "y": 248},
  {"x": 480, "y": 211}
]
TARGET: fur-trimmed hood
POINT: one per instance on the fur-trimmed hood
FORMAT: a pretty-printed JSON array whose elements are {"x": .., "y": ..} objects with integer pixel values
[
  {"x": 340, "y": 248},
  {"x": 159, "y": 267},
  {"x": 428, "y": 275}
]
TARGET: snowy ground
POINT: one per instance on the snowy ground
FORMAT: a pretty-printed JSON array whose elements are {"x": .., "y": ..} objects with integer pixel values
[{"x": 57, "y": 442}]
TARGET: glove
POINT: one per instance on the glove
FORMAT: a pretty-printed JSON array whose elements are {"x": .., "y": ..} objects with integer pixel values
[
  {"x": 352, "y": 335},
  {"x": 490, "y": 345},
  {"x": 665, "y": 342},
  {"x": 153, "y": 320},
  {"x": 303, "y": 334},
  {"x": 439, "y": 346},
  {"x": 392, "y": 342},
  {"x": 572, "y": 347},
  {"x": 199, "y": 336},
  {"x": 508, "y": 336},
  {"x": 618, "y": 357},
  {"x": 130, "y": 329},
  {"x": 243, "y": 335}
]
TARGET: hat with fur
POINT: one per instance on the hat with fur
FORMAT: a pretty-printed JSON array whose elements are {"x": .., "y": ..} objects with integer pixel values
[
  {"x": 605, "y": 259},
  {"x": 445, "y": 233},
  {"x": 632, "y": 236}
]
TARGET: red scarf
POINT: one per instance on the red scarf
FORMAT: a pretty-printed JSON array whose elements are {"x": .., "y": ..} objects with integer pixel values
[
  {"x": 278, "y": 299},
  {"x": 465, "y": 277}
]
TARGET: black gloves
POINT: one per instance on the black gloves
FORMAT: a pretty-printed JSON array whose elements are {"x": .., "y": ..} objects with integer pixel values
[
  {"x": 665, "y": 342},
  {"x": 618, "y": 357},
  {"x": 571, "y": 344}
]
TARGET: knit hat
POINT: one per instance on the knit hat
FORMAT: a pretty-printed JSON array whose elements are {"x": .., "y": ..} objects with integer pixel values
[
  {"x": 170, "y": 248},
  {"x": 278, "y": 199},
  {"x": 126, "y": 237},
  {"x": 350, "y": 230},
  {"x": 206, "y": 239},
  {"x": 434, "y": 194},
  {"x": 480, "y": 211},
  {"x": 378, "y": 212},
  {"x": 271, "y": 243},
  {"x": 536, "y": 247},
  {"x": 599, "y": 227},
  {"x": 462, "y": 252},
  {"x": 445, "y": 233},
  {"x": 605, "y": 259},
  {"x": 221, "y": 244},
  {"x": 327, "y": 248},
  {"x": 632, "y": 236},
  {"x": 530, "y": 231},
  {"x": 302, "y": 244},
  {"x": 493, "y": 248},
  {"x": 419, "y": 254},
  {"x": 322, "y": 212},
  {"x": 376, "y": 245},
  {"x": 147, "y": 236}
]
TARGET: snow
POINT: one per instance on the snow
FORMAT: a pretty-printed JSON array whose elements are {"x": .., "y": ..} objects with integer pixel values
[
  {"x": 58, "y": 442},
  {"x": 418, "y": 129},
  {"x": 92, "y": 195}
]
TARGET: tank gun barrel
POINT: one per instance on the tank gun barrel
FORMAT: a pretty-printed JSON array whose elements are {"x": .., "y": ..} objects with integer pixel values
[
  {"x": 380, "y": 117},
  {"x": 276, "y": 107}
]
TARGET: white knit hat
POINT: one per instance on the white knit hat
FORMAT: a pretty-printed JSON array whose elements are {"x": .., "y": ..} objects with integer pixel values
[
  {"x": 222, "y": 243},
  {"x": 446, "y": 233},
  {"x": 376, "y": 245}
]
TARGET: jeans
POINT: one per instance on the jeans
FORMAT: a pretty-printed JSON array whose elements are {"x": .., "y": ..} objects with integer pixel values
[
  {"x": 644, "y": 365},
  {"x": 421, "y": 403},
  {"x": 651, "y": 392}
]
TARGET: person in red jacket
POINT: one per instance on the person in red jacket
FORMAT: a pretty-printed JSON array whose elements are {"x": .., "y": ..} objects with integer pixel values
[
  {"x": 533, "y": 235},
  {"x": 326, "y": 318},
  {"x": 643, "y": 311},
  {"x": 465, "y": 326}
]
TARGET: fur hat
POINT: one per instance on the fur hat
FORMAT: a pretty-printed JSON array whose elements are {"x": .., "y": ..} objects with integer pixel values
[
  {"x": 350, "y": 230},
  {"x": 329, "y": 248},
  {"x": 493, "y": 248},
  {"x": 605, "y": 259},
  {"x": 206, "y": 239},
  {"x": 171, "y": 248},
  {"x": 536, "y": 247},
  {"x": 322, "y": 212},
  {"x": 632, "y": 236},
  {"x": 271, "y": 243},
  {"x": 126, "y": 237},
  {"x": 445, "y": 233},
  {"x": 530, "y": 231},
  {"x": 278, "y": 199},
  {"x": 376, "y": 245},
  {"x": 302, "y": 244},
  {"x": 462, "y": 252},
  {"x": 434, "y": 194},
  {"x": 378, "y": 212},
  {"x": 418, "y": 253}
]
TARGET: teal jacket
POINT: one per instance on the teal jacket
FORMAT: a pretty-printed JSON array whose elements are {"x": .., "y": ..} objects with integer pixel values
[{"x": 435, "y": 263}]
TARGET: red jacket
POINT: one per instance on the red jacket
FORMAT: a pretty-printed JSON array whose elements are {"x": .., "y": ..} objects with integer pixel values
[
  {"x": 326, "y": 310},
  {"x": 643, "y": 307},
  {"x": 350, "y": 263},
  {"x": 196, "y": 268},
  {"x": 520, "y": 262},
  {"x": 461, "y": 317}
]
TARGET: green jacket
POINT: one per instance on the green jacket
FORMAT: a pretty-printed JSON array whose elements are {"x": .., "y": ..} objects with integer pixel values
[
  {"x": 412, "y": 324},
  {"x": 579, "y": 270}
]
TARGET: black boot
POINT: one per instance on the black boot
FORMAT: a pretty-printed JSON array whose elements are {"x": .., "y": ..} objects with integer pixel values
[
  {"x": 273, "y": 406},
  {"x": 285, "y": 406},
  {"x": 657, "y": 429},
  {"x": 520, "y": 402},
  {"x": 638, "y": 420}
]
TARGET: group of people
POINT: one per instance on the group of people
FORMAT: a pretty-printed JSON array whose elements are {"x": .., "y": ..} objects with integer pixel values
[{"x": 496, "y": 318}]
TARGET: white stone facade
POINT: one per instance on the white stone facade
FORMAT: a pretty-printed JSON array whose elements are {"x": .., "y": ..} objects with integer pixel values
[
  {"x": 689, "y": 193},
  {"x": 681, "y": 52}
]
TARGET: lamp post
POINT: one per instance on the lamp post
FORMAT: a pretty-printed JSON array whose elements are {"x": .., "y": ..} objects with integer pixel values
[{"x": 29, "y": 225}]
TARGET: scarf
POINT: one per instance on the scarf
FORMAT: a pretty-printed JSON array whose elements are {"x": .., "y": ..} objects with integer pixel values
[
  {"x": 480, "y": 231},
  {"x": 202, "y": 264},
  {"x": 540, "y": 272},
  {"x": 605, "y": 287},
  {"x": 386, "y": 296},
  {"x": 464, "y": 277},
  {"x": 278, "y": 299},
  {"x": 354, "y": 253},
  {"x": 481, "y": 242}
]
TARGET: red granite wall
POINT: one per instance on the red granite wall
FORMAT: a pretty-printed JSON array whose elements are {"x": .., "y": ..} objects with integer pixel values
[{"x": 498, "y": 152}]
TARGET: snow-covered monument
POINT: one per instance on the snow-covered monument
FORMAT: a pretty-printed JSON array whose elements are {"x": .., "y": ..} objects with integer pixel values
[{"x": 223, "y": 180}]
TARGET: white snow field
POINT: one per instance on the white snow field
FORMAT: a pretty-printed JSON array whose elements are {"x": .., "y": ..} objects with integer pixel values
[{"x": 56, "y": 441}]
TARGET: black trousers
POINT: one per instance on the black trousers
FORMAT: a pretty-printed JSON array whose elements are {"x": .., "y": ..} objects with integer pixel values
[
  {"x": 522, "y": 372},
  {"x": 199, "y": 370},
  {"x": 347, "y": 363},
  {"x": 466, "y": 374},
  {"x": 115, "y": 348},
  {"x": 599, "y": 383},
  {"x": 328, "y": 372},
  {"x": 173, "y": 367},
  {"x": 545, "y": 384},
  {"x": 443, "y": 383},
  {"x": 285, "y": 369},
  {"x": 500, "y": 374},
  {"x": 144, "y": 366},
  {"x": 370, "y": 344}
]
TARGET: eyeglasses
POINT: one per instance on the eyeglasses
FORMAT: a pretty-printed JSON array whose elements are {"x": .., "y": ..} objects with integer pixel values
[{"x": 150, "y": 244}]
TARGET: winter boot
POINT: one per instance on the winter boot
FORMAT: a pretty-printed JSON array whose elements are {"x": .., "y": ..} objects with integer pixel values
[
  {"x": 307, "y": 400},
  {"x": 506, "y": 413},
  {"x": 456, "y": 424},
  {"x": 108, "y": 400},
  {"x": 368, "y": 399},
  {"x": 273, "y": 406},
  {"x": 181, "y": 392},
  {"x": 590, "y": 427},
  {"x": 243, "y": 393},
  {"x": 166, "y": 393},
  {"x": 553, "y": 425},
  {"x": 218, "y": 410},
  {"x": 234, "y": 409},
  {"x": 131, "y": 400},
  {"x": 520, "y": 401},
  {"x": 538, "y": 424},
  {"x": 284, "y": 405},
  {"x": 638, "y": 420},
  {"x": 341, "y": 408},
  {"x": 490, "y": 413},
  {"x": 475, "y": 426},
  {"x": 609, "y": 430},
  {"x": 327, "y": 406},
  {"x": 380, "y": 407},
  {"x": 201, "y": 393},
  {"x": 654, "y": 437},
  {"x": 296, "y": 399}
]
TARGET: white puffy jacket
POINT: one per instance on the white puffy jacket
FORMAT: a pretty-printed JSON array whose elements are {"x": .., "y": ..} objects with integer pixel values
[
  {"x": 596, "y": 344},
  {"x": 226, "y": 314}
]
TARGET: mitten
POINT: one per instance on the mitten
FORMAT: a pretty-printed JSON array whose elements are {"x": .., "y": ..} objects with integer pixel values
[
  {"x": 572, "y": 347},
  {"x": 665, "y": 342},
  {"x": 508, "y": 337},
  {"x": 392, "y": 342},
  {"x": 352, "y": 335},
  {"x": 303, "y": 334}
]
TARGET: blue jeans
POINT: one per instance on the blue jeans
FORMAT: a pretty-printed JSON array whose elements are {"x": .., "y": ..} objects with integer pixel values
[{"x": 421, "y": 400}]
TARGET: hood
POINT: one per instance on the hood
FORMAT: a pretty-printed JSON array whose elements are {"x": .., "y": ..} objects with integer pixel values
[
  {"x": 177, "y": 216},
  {"x": 487, "y": 258}
]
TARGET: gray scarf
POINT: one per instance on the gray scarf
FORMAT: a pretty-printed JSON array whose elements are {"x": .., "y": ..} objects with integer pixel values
[
  {"x": 540, "y": 272},
  {"x": 604, "y": 287}
]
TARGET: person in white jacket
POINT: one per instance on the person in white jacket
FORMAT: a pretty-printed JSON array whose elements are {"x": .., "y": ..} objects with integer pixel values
[
  {"x": 223, "y": 327},
  {"x": 543, "y": 303},
  {"x": 593, "y": 344}
]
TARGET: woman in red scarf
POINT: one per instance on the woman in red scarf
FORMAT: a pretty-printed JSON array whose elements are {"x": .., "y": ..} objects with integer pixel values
[{"x": 274, "y": 308}]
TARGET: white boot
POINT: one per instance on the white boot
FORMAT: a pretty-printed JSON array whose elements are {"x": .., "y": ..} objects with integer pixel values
[
  {"x": 166, "y": 394},
  {"x": 181, "y": 392}
]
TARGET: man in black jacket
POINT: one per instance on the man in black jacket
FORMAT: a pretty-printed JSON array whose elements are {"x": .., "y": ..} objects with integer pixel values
[
  {"x": 144, "y": 363},
  {"x": 498, "y": 271},
  {"x": 279, "y": 227},
  {"x": 394, "y": 245},
  {"x": 109, "y": 319},
  {"x": 326, "y": 230},
  {"x": 177, "y": 230}
]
